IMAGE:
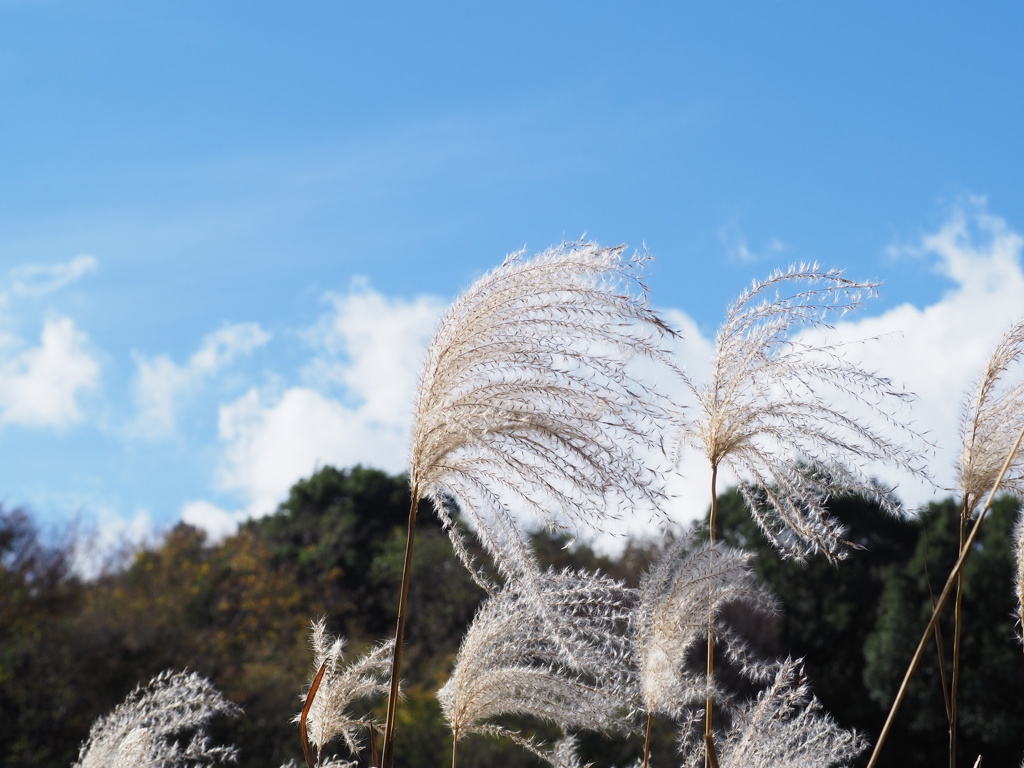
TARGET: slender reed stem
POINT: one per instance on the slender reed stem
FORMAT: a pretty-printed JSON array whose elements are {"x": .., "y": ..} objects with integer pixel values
[
  {"x": 937, "y": 612},
  {"x": 455, "y": 747},
  {"x": 710, "y": 760},
  {"x": 388, "y": 757},
  {"x": 647, "y": 739},
  {"x": 957, "y": 628}
]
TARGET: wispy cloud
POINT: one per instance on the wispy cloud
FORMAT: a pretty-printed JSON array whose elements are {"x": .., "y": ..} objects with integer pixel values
[
  {"x": 41, "y": 386},
  {"x": 161, "y": 384},
  {"x": 737, "y": 248},
  {"x": 41, "y": 279}
]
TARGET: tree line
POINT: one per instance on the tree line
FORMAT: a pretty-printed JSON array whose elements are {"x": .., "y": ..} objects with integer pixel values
[{"x": 238, "y": 612}]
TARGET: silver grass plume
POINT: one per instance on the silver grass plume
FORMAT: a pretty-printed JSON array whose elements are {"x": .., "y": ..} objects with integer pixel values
[
  {"x": 784, "y": 727},
  {"x": 529, "y": 400},
  {"x": 770, "y": 412},
  {"x": 145, "y": 730},
  {"x": 342, "y": 684},
  {"x": 680, "y": 597},
  {"x": 992, "y": 418},
  {"x": 509, "y": 664}
]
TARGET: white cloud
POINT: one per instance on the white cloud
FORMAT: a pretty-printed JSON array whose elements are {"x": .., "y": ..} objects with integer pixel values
[
  {"x": 40, "y": 386},
  {"x": 218, "y": 523},
  {"x": 371, "y": 348},
  {"x": 39, "y": 279},
  {"x": 161, "y": 384}
]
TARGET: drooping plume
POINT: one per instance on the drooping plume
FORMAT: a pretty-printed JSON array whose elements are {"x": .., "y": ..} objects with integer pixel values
[
  {"x": 532, "y": 406},
  {"x": 778, "y": 411},
  {"x": 785, "y": 727},
  {"x": 146, "y": 729},
  {"x": 993, "y": 416},
  {"x": 681, "y": 596},
  {"x": 510, "y": 662}
]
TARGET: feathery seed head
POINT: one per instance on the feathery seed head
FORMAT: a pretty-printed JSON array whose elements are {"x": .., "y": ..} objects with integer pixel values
[
  {"x": 679, "y": 597},
  {"x": 511, "y": 662},
  {"x": 144, "y": 731},
  {"x": 530, "y": 400},
  {"x": 784, "y": 727},
  {"x": 341, "y": 684},
  {"x": 992, "y": 418},
  {"x": 771, "y": 409}
]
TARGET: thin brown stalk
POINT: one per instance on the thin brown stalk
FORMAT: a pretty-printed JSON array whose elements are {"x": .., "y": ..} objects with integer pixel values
[
  {"x": 937, "y": 612},
  {"x": 307, "y": 753},
  {"x": 647, "y": 738},
  {"x": 387, "y": 759},
  {"x": 710, "y": 760},
  {"x": 957, "y": 631}
]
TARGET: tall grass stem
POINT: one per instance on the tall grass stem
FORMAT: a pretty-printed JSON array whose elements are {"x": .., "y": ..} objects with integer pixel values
[{"x": 388, "y": 756}]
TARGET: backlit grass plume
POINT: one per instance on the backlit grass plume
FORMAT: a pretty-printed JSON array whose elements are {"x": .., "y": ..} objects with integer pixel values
[
  {"x": 785, "y": 727},
  {"x": 681, "y": 596},
  {"x": 160, "y": 725},
  {"x": 508, "y": 663},
  {"x": 528, "y": 402},
  {"x": 530, "y": 405},
  {"x": 339, "y": 685},
  {"x": 993, "y": 417},
  {"x": 775, "y": 410}
]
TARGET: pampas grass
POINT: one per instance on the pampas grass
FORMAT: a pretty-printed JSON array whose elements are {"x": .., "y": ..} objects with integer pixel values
[
  {"x": 785, "y": 727},
  {"x": 339, "y": 685},
  {"x": 509, "y": 663},
  {"x": 680, "y": 600},
  {"x": 993, "y": 414},
  {"x": 148, "y": 728},
  {"x": 531, "y": 404},
  {"x": 777, "y": 411}
]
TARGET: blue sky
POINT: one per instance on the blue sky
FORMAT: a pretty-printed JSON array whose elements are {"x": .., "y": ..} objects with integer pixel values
[{"x": 226, "y": 229}]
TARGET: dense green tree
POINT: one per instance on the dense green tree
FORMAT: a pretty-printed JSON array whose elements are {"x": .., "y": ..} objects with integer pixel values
[
  {"x": 42, "y": 712},
  {"x": 992, "y": 666}
]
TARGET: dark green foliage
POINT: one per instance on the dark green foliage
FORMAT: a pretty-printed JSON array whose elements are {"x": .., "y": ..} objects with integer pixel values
[{"x": 43, "y": 709}]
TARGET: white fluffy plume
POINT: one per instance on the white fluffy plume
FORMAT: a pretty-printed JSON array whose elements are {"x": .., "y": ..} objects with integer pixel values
[{"x": 532, "y": 404}]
